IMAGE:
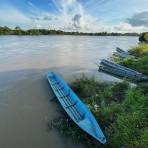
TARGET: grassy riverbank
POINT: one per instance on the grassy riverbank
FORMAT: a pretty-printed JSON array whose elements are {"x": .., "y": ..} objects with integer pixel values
[
  {"x": 139, "y": 61},
  {"x": 121, "y": 110}
]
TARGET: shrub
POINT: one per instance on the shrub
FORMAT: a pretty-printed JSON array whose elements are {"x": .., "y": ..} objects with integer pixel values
[
  {"x": 140, "y": 50},
  {"x": 143, "y": 37}
]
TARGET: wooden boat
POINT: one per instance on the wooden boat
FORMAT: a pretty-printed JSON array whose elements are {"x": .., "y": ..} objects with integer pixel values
[
  {"x": 121, "y": 71},
  {"x": 74, "y": 107},
  {"x": 121, "y": 53}
]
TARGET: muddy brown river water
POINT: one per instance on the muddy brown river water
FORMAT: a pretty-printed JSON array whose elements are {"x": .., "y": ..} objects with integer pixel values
[{"x": 25, "y": 108}]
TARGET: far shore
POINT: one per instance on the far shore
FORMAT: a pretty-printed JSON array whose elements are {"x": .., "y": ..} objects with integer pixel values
[{"x": 18, "y": 31}]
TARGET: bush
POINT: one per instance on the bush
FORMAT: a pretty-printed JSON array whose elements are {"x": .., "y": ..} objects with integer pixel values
[
  {"x": 143, "y": 37},
  {"x": 139, "y": 51}
]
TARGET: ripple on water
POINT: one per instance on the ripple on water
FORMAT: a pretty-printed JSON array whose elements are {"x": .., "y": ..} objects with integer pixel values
[{"x": 25, "y": 108}]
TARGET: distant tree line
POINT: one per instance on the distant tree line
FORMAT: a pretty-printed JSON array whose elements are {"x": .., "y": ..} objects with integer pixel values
[{"x": 18, "y": 31}]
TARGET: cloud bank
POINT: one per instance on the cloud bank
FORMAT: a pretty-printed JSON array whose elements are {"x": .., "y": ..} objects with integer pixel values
[
  {"x": 71, "y": 15},
  {"x": 139, "y": 19}
]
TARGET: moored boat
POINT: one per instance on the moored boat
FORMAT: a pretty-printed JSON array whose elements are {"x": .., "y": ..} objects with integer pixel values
[
  {"x": 119, "y": 70},
  {"x": 122, "y": 53},
  {"x": 75, "y": 108}
]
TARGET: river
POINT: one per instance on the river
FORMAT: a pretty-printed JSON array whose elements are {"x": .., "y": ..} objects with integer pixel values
[{"x": 25, "y": 108}]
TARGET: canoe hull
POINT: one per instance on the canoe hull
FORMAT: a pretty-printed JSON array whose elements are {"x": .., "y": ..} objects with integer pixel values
[
  {"x": 74, "y": 107},
  {"x": 118, "y": 70}
]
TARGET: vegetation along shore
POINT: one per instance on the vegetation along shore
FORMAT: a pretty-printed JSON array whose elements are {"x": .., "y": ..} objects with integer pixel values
[
  {"x": 120, "y": 109},
  {"x": 18, "y": 31}
]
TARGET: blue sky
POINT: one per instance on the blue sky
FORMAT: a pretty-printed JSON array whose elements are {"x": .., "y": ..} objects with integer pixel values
[{"x": 76, "y": 15}]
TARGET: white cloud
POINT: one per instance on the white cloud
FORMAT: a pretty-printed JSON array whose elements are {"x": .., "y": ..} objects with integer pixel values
[
  {"x": 71, "y": 16},
  {"x": 126, "y": 27}
]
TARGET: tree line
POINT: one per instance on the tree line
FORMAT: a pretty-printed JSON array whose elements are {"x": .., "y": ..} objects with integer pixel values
[{"x": 18, "y": 31}]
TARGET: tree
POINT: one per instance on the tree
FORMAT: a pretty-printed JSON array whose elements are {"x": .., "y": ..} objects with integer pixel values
[
  {"x": 143, "y": 37},
  {"x": 17, "y": 28}
]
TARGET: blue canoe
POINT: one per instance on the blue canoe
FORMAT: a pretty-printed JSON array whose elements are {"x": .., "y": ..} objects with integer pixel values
[{"x": 74, "y": 107}]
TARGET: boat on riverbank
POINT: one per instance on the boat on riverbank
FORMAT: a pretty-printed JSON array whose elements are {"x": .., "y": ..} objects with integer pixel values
[
  {"x": 119, "y": 70},
  {"x": 121, "y": 53},
  {"x": 74, "y": 107}
]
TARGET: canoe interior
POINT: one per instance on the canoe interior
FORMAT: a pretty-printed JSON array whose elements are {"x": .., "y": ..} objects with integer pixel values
[{"x": 77, "y": 111}]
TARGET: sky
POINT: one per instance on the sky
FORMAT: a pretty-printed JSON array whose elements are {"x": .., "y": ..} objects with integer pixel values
[{"x": 76, "y": 15}]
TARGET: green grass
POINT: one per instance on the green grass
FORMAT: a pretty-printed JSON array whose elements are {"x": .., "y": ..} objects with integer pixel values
[
  {"x": 139, "y": 51},
  {"x": 139, "y": 64},
  {"x": 140, "y": 60},
  {"x": 121, "y": 112}
]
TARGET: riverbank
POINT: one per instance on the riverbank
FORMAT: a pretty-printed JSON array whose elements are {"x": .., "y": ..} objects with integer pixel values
[
  {"x": 119, "y": 108},
  {"x": 138, "y": 61}
]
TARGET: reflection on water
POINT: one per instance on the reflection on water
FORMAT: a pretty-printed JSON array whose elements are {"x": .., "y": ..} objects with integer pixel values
[{"x": 24, "y": 92}]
